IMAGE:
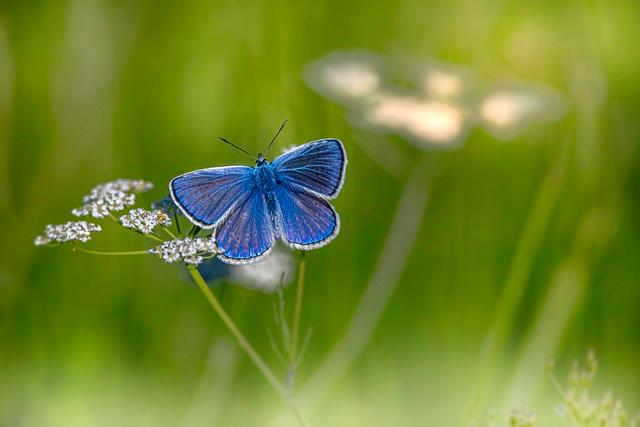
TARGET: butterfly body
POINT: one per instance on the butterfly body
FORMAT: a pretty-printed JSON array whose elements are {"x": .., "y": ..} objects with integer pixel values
[
  {"x": 251, "y": 207},
  {"x": 266, "y": 179},
  {"x": 266, "y": 183}
]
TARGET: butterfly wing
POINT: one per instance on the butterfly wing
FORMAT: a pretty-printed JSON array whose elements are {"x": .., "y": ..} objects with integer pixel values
[
  {"x": 206, "y": 196},
  {"x": 306, "y": 220},
  {"x": 317, "y": 167},
  {"x": 246, "y": 235}
]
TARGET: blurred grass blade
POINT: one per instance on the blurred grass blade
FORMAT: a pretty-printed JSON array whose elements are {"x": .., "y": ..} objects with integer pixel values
[
  {"x": 516, "y": 282},
  {"x": 400, "y": 240}
]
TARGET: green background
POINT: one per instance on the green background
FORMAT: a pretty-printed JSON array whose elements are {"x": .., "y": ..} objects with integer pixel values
[{"x": 93, "y": 90}]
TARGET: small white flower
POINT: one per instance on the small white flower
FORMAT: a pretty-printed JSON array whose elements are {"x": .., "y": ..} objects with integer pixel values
[
  {"x": 72, "y": 231},
  {"x": 193, "y": 259},
  {"x": 145, "y": 221},
  {"x": 189, "y": 250},
  {"x": 41, "y": 241},
  {"x": 110, "y": 197}
]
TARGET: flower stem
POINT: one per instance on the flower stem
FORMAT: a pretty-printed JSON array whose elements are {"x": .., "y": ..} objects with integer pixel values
[
  {"x": 89, "y": 251},
  {"x": 175, "y": 219},
  {"x": 244, "y": 343},
  {"x": 173, "y": 236},
  {"x": 154, "y": 237},
  {"x": 293, "y": 349}
]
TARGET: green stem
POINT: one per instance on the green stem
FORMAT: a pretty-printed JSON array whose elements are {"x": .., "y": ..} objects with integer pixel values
[
  {"x": 175, "y": 219},
  {"x": 89, "y": 251},
  {"x": 194, "y": 231},
  {"x": 244, "y": 343},
  {"x": 295, "y": 332},
  {"x": 173, "y": 236},
  {"x": 154, "y": 237},
  {"x": 298, "y": 307}
]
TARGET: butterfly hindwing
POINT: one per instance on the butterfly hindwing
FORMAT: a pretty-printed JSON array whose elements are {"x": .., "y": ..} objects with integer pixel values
[
  {"x": 246, "y": 234},
  {"x": 306, "y": 220},
  {"x": 205, "y": 196},
  {"x": 317, "y": 167}
]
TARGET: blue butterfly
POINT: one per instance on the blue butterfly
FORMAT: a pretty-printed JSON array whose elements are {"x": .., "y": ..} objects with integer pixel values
[{"x": 251, "y": 207}]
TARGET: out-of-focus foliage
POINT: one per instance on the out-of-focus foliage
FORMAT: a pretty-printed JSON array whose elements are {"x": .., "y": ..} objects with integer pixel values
[{"x": 92, "y": 90}]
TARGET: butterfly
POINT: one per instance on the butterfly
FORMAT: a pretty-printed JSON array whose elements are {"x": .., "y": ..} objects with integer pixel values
[{"x": 250, "y": 208}]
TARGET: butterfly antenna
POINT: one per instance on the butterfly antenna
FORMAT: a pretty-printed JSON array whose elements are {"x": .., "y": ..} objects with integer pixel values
[
  {"x": 276, "y": 136},
  {"x": 235, "y": 146}
]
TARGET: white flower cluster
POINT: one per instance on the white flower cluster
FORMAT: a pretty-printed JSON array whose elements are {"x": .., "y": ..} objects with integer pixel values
[
  {"x": 110, "y": 197},
  {"x": 189, "y": 250},
  {"x": 583, "y": 408},
  {"x": 72, "y": 231},
  {"x": 145, "y": 221}
]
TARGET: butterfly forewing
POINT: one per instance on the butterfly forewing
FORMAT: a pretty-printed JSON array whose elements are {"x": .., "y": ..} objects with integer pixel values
[
  {"x": 206, "y": 196},
  {"x": 317, "y": 167}
]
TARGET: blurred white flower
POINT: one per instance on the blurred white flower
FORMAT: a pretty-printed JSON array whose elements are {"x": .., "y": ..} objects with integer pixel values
[
  {"x": 345, "y": 76},
  {"x": 277, "y": 268},
  {"x": 442, "y": 80},
  {"x": 145, "y": 221},
  {"x": 425, "y": 122},
  {"x": 110, "y": 197},
  {"x": 352, "y": 79},
  {"x": 190, "y": 250},
  {"x": 432, "y": 104},
  {"x": 72, "y": 231},
  {"x": 522, "y": 417},
  {"x": 267, "y": 275},
  {"x": 288, "y": 148},
  {"x": 442, "y": 84},
  {"x": 561, "y": 410},
  {"x": 427, "y": 116},
  {"x": 509, "y": 108}
]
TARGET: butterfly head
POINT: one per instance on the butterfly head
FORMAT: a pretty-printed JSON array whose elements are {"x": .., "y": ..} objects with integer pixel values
[{"x": 261, "y": 161}]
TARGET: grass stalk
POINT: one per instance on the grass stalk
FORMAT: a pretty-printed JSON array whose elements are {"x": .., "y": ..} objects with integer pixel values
[
  {"x": 295, "y": 331},
  {"x": 110, "y": 253},
  {"x": 248, "y": 348},
  {"x": 517, "y": 278}
]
